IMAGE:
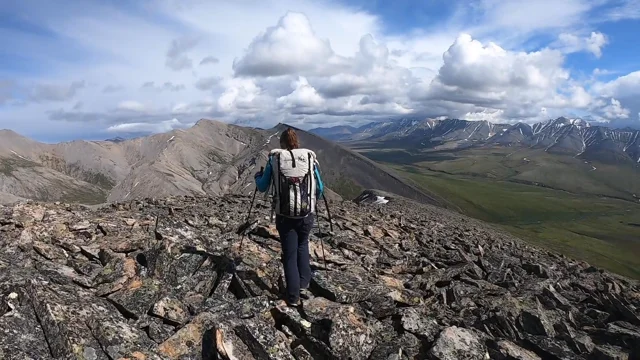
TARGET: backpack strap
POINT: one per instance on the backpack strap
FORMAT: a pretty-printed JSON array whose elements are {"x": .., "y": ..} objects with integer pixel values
[{"x": 293, "y": 159}]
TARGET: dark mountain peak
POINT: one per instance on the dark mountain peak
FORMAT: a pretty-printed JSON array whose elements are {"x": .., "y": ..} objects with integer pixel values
[
  {"x": 562, "y": 135},
  {"x": 116, "y": 139}
]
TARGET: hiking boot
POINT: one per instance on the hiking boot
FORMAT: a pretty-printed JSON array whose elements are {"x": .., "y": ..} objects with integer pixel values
[
  {"x": 286, "y": 303},
  {"x": 306, "y": 294}
]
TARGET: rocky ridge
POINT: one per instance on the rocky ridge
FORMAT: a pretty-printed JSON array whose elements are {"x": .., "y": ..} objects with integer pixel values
[
  {"x": 211, "y": 158},
  {"x": 166, "y": 279}
]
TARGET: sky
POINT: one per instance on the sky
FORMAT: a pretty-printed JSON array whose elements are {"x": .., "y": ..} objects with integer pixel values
[{"x": 99, "y": 69}]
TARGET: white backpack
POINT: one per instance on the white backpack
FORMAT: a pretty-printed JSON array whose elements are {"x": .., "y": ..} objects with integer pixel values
[{"x": 294, "y": 182}]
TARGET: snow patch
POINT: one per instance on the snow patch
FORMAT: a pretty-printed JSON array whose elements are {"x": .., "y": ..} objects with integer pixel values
[
  {"x": 269, "y": 139},
  {"x": 380, "y": 200},
  {"x": 18, "y": 155},
  {"x": 474, "y": 130}
]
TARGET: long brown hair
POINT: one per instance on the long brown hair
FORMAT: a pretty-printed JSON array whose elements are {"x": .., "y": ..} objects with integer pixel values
[{"x": 289, "y": 139}]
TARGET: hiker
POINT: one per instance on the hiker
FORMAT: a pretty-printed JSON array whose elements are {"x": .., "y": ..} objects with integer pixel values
[{"x": 294, "y": 175}]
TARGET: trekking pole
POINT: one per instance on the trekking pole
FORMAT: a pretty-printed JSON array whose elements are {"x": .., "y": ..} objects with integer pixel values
[
  {"x": 324, "y": 259},
  {"x": 325, "y": 203},
  {"x": 328, "y": 212},
  {"x": 246, "y": 223}
]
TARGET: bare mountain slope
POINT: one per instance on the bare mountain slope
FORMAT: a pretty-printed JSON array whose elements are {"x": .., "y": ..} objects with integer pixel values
[
  {"x": 174, "y": 163},
  {"x": 210, "y": 158},
  {"x": 351, "y": 173},
  {"x": 29, "y": 169}
]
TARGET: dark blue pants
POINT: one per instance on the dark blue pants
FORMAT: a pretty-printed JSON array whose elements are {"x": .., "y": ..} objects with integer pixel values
[{"x": 294, "y": 239}]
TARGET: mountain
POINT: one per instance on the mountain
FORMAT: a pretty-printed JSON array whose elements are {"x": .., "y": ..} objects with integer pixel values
[
  {"x": 573, "y": 137},
  {"x": 210, "y": 158},
  {"x": 116, "y": 139},
  {"x": 337, "y": 132},
  {"x": 167, "y": 279}
]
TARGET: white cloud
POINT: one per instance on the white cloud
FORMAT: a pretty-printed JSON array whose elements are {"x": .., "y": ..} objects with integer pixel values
[
  {"x": 524, "y": 16},
  {"x": 303, "y": 95},
  {"x": 130, "y": 105},
  {"x": 158, "y": 127},
  {"x": 614, "y": 110},
  {"x": 287, "y": 48},
  {"x": 497, "y": 81},
  {"x": 572, "y": 43},
  {"x": 626, "y": 9},
  {"x": 619, "y": 98}
]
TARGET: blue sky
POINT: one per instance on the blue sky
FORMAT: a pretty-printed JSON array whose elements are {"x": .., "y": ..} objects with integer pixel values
[{"x": 97, "y": 69}]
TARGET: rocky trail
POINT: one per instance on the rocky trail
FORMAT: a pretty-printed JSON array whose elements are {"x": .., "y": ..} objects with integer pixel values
[{"x": 165, "y": 279}]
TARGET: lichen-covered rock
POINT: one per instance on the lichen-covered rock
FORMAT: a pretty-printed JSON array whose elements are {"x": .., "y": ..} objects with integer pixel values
[
  {"x": 187, "y": 342},
  {"x": 171, "y": 310},
  {"x": 458, "y": 343},
  {"x": 506, "y": 350},
  {"x": 420, "y": 324},
  {"x": 162, "y": 279}
]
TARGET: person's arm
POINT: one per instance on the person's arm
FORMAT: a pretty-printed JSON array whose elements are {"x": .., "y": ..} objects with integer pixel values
[
  {"x": 263, "y": 179},
  {"x": 319, "y": 184}
]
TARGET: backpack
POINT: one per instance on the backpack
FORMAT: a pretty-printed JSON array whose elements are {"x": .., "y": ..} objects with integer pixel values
[{"x": 294, "y": 182}]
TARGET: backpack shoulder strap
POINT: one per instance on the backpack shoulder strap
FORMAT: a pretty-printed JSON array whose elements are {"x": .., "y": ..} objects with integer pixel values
[{"x": 275, "y": 152}]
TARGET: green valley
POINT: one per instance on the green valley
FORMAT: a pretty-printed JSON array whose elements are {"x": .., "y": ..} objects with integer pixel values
[{"x": 558, "y": 202}]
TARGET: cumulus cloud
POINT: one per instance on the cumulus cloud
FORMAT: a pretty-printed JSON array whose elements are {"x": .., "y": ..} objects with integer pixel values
[
  {"x": 488, "y": 76},
  {"x": 618, "y": 98},
  {"x": 287, "y": 48},
  {"x": 303, "y": 95},
  {"x": 614, "y": 110}
]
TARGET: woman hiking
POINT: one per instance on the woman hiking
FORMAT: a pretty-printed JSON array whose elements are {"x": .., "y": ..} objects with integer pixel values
[{"x": 294, "y": 175}]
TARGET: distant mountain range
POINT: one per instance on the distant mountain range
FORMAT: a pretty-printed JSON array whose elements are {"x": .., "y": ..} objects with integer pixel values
[
  {"x": 574, "y": 137},
  {"x": 210, "y": 158}
]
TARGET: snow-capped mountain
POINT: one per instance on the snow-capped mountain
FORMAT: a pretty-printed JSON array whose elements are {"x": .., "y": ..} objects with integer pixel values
[{"x": 576, "y": 137}]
